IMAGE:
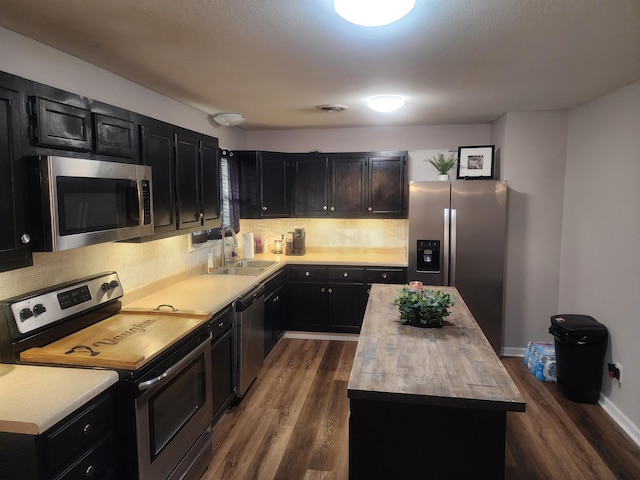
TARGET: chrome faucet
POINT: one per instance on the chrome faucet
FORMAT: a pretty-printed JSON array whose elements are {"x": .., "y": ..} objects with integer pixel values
[{"x": 234, "y": 250}]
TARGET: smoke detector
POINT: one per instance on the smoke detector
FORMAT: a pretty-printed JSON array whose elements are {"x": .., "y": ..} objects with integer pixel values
[{"x": 332, "y": 107}]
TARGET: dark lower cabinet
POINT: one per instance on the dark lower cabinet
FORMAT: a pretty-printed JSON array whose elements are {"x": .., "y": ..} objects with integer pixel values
[
  {"x": 14, "y": 239},
  {"x": 334, "y": 298},
  {"x": 222, "y": 355},
  {"x": 81, "y": 445},
  {"x": 275, "y": 310}
]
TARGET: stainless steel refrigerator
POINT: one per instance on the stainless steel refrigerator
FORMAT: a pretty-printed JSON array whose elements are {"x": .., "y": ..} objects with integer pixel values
[{"x": 457, "y": 235}]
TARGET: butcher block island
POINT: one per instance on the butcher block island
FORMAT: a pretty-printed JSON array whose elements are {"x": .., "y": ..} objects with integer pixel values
[{"x": 427, "y": 402}]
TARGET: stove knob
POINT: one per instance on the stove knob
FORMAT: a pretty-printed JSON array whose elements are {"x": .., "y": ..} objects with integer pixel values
[
  {"x": 105, "y": 286},
  {"x": 38, "y": 309},
  {"x": 25, "y": 313},
  {"x": 113, "y": 284}
]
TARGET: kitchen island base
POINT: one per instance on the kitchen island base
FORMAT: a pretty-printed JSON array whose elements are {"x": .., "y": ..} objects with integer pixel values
[{"x": 412, "y": 441}]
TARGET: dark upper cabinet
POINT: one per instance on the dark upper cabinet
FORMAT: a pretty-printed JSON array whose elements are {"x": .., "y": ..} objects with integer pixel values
[
  {"x": 158, "y": 151},
  {"x": 309, "y": 186},
  {"x": 387, "y": 195},
  {"x": 78, "y": 126},
  {"x": 187, "y": 181},
  {"x": 115, "y": 136},
  {"x": 350, "y": 185},
  {"x": 186, "y": 177},
  {"x": 197, "y": 182},
  {"x": 62, "y": 125},
  {"x": 14, "y": 252},
  {"x": 264, "y": 184},
  {"x": 210, "y": 183},
  {"x": 346, "y": 185}
]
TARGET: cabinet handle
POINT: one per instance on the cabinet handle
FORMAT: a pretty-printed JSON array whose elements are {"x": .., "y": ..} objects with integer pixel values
[
  {"x": 333, "y": 208},
  {"x": 345, "y": 274},
  {"x": 25, "y": 238},
  {"x": 322, "y": 290},
  {"x": 201, "y": 215},
  {"x": 384, "y": 275},
  {"x": 370, "y": 208},
  {"x": 324, "y": 207},
  {"x": 221, "y": 324},
  {"x": 306, "y": 274},
  {"x": 90, "y": 471},
  {"x": 330, "y": 290},
  {"x": 276, "y": 299},
  {"x": 264, "y": 209},
  {"x": 88, "y": 428}
]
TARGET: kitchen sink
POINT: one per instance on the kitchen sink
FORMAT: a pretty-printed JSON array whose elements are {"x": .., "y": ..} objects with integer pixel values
[
  {"x": 256, "y": 263},
  {"x": 236, "y": 270}
]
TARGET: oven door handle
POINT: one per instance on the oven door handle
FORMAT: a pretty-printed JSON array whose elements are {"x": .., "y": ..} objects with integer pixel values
[{"x": 142, "y": 386}]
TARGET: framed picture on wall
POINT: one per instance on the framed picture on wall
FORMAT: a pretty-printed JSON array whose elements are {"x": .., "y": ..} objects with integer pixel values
[{"x": 476, "y": 162}]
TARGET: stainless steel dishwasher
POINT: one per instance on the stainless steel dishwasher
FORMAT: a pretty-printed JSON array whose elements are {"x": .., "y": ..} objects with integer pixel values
[{"x": 250, "y": 336}]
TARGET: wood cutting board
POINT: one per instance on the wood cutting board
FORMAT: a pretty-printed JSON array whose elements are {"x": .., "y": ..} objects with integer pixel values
[{"x": 126, "y": 341}]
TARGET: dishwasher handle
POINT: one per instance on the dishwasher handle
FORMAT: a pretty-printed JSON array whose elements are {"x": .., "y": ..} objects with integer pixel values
[{"x": 245, "y": 301}]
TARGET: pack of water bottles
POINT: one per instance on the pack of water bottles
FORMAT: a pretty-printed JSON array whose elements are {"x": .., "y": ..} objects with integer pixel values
[{"x": 540, "y": 358}]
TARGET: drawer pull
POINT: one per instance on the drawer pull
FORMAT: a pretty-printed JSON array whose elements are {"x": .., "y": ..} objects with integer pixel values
[
  {"x": 221, "y": 324},
  {"x": 90, "y": 471},
  {"x": 330, "y": 290},
  {"x": 370, "y": 208},
  {"x": 333, "y": 209},
  {"x": 88, "y": 428},
  {"x": 264, "y": 209},
  {"x": 345, "y": 274},
  {"x": 307, "y": 274},
  {"x": 322, "y": 290},
  {"x": 384, "y": 275}
]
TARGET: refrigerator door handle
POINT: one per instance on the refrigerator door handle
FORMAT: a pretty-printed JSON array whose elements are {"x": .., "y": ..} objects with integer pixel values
[
  {"x": 453, "y": 251},
  {"x": 445, "y": 247}
]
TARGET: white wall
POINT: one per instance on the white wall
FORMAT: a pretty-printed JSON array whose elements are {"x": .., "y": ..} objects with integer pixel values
[
  {"x": 370, "y": 138},
  {"x": 600, "y": 263},
  {"x": 532, "y": 149}
]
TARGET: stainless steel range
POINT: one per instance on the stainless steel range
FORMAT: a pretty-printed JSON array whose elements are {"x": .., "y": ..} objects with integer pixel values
[{"x": 163, "y": 357}]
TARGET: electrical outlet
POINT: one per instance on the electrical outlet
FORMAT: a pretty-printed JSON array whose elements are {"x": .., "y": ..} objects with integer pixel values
[{"x": 619, "y": 366}]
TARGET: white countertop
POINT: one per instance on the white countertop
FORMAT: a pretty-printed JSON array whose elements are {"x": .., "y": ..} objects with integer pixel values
[
  {"x": 33, "y": 398},
  {"x": 214, "y": 292}
]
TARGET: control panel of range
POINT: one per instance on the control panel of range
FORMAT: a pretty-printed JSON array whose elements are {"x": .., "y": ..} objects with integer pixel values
[{"x": 59, "y": 302}]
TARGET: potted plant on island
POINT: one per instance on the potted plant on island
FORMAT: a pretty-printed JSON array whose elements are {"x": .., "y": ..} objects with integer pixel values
[
  {"x": 443, "y": 165},
  {"x": 423, "y": 308}
]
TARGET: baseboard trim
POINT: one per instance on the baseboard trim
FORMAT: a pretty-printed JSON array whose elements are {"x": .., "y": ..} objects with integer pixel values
[
  {"x": 512, "y": 352},
  {"x": 349, "y": 337},
  {"x": 620, "y": 418}
]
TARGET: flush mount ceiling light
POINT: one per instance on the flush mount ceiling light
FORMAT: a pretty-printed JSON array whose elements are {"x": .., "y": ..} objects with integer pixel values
[
  {"x": 373, "y": 13},
  {"x": 228, "y": 119},
  {"x": 386, "y": 103}
]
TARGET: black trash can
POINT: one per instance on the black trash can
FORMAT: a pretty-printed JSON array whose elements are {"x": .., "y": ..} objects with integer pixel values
[{"x": 581, "y": 342}]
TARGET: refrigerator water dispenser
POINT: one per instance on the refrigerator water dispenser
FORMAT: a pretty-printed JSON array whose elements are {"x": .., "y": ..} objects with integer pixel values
[{"x": 428, "y": 253}]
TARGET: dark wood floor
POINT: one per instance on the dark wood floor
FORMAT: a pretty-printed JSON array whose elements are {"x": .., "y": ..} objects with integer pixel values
[{"x": 293, "y": 424}]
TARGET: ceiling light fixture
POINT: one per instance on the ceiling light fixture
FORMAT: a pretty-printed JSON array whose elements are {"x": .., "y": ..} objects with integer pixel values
[
  {"x": 228, "y": 119},
  {"x": 373, "y": 13},
  {"x": 386, "y": 103}
]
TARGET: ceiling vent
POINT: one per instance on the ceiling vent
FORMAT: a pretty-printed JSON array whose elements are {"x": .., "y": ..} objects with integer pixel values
[{"x": 333, "y": 107}]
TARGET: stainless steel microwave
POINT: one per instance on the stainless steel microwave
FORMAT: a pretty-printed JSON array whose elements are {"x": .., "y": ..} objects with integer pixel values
[{"x": 78, "y": 202}]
